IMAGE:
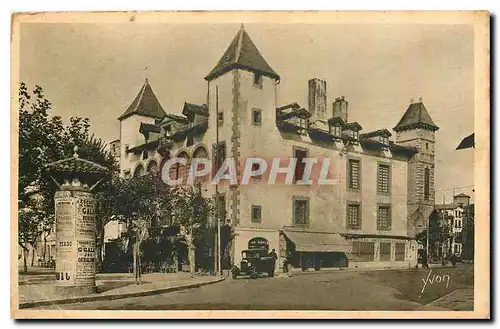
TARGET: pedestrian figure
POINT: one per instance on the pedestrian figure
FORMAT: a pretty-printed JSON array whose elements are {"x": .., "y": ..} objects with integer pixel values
[
  {"x": 273, "y": 264},
  {"x": 425, "y": 264}
]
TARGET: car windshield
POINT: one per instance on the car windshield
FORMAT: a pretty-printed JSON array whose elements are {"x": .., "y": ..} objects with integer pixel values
[{"x": 251, "y": 254}]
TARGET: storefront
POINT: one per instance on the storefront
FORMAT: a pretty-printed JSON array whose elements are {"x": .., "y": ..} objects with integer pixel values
[{"x": 313, "y": 250}]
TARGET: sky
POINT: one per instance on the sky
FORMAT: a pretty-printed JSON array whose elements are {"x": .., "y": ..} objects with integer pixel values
[{"x": 96, "y": 70}]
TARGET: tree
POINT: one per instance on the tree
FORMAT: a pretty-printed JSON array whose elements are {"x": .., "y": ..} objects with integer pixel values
[
  {"x": 140, "y": 202},
  {"x": 439, "y": 232},
  {"x": 191, "y": 211},
  {"x": 43, "y": 139}
]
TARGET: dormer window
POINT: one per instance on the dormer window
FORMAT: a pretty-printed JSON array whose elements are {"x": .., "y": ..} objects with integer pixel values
[
  {"x": 355, "y": 135},
  {"x": 168, "y": 130},
  {"x": 335, "y": 130},
  {"x": 303, "y": 125},
  {"x": 257, "y": 80},
  {"x": 384, "y": 140}
]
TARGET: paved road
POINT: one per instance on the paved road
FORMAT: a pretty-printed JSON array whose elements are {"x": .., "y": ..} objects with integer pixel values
[{"x": 341, "y": 290}]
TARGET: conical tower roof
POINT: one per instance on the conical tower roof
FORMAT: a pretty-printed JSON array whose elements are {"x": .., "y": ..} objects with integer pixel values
[
  {"x": 416, "y": 116},
  {"x": 242, "y": 54},
  {"x": 145, "y": 104}
]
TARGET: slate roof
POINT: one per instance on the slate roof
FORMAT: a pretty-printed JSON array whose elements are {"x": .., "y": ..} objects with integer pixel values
[
  {"x": 174, "y": 117},
  {"x": 379, "y": 132},
  {"x": 416, "y": 116},
  {"x": 145, "y": 103},
  {"x": 466, "y": 143},
  {"x": 243, "y": 54},
  {"x": 337, "y": 121},
  {"x": 353, "y": 126},
  {"x": 195, "y": 108},
  {"x": 149, "y": 128}
]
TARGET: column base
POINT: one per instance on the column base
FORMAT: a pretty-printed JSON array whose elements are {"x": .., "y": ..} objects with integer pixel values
[{"x": 76, "y": 291}]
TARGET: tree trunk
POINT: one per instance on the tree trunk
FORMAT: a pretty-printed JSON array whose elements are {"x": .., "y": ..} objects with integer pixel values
[
  {"x": 192, "y": 259},
  {"x": 33, "y": 257},
  {"x": 134, "y": 252},
  {"x": 25, "y": 264},
  {"x": 44, "y": 248},
  {"x": 98, "y": 247}
]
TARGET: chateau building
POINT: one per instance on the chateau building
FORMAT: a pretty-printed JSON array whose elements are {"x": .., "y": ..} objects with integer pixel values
[{"x": 383, "y": 190}]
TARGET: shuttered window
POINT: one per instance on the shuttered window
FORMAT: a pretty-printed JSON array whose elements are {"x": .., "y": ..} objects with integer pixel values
[
  {"x": 400, "y": 251},
  {"x": 383, "y": 178},
  {"x": 353, "y": 216},
  {"x": 363, "y": 251},
  {"x": 354, "y": 174},
  {"x": 385, "y": 251},
  {"x": 384, "y": 218}
]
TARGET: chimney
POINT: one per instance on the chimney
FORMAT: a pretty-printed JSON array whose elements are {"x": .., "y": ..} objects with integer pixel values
[
  {"x": 340, "y": 108},
  {"x": 317, "y": 98}
]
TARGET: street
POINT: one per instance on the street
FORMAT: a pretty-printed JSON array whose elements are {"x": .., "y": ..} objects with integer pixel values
[{"x": 337, "y": 290}]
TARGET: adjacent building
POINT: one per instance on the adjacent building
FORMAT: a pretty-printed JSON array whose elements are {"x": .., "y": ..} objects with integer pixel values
[
  {"x": 455, "y": 216},
  {"x": 383, "y": 190}
]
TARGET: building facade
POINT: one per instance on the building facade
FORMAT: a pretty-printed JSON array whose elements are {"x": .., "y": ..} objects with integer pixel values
[
  {"x": 457, "y": 218},
  {"x": 379, "y": 191}
]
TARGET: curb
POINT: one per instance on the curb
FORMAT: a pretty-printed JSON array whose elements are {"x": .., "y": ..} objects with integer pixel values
[
  {"x": 73, "y": 300},
  {"x": 431, "y": 304}
]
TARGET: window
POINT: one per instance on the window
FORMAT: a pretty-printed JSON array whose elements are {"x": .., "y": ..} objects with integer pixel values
[
  {"x": 300, "y": 166},
  {"x": 145, "y": 155},
  {"x": 303, "y": 125},
  {"x": 218, "y": 159},
  {"x": 363, "y": 251},
  {"x": 256, "y": 214},
  {"x": 383, "y": 178},
  {"x": 384, "y": 218},
  {"x": 385, "y": 251},
  {"x": 256, "y": 117},
  {"x": 300, "y": 211},
  {"x": 221, "y": 204},
  {"x": 427, "y": 146},
  {"x": 353, "y": 174},
  {"x": 335, "y": 130},
  {"x": 355, "y": 135},
  {"x": 220, "y": 118},
  {"x": 255, "y": 167},
  {"x": 458, "y": 237},
  {"x": 400, "y": 251},
  {"x": 168, "y": 130},
  {"x": 353, "y": 216},
  {"x": 257, "y": 80},
  {"x": 426, "y": 184}
]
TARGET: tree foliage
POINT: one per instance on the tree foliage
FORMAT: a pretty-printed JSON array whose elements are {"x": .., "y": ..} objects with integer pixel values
[{"x": 44, "y": 138}]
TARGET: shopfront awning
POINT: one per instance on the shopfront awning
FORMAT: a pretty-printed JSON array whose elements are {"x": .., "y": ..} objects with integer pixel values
[{"x": 318, "y": 242}]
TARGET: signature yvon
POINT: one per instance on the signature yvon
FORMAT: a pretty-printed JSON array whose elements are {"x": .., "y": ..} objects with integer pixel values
[{"x": 436, "y": 278}]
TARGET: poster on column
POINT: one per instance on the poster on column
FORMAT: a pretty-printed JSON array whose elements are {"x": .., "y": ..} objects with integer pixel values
[
  {"x": 85, "y": 265},
  {"x": 85, "y": 239},
  {"x": 65, "y": 248},
  {"x": 85, "y": 215}
]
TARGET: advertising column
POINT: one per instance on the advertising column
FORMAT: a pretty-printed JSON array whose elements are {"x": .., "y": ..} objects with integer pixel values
[{"x": 75, "y": 246}]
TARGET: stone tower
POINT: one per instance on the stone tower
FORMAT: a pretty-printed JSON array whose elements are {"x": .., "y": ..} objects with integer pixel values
[
  {"x": 242, "y": 91},
  {"x": 145, "y": 108},
  {"x": 416, "y": 129}
]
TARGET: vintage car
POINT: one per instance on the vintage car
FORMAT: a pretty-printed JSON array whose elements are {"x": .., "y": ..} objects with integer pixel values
[{"x": 253, "y": 263}]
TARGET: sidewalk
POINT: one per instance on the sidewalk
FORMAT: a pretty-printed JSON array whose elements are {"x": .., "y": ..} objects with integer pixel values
[
  {"x": 110, "y": 286},
  {"x": 458, "y": 300}
]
